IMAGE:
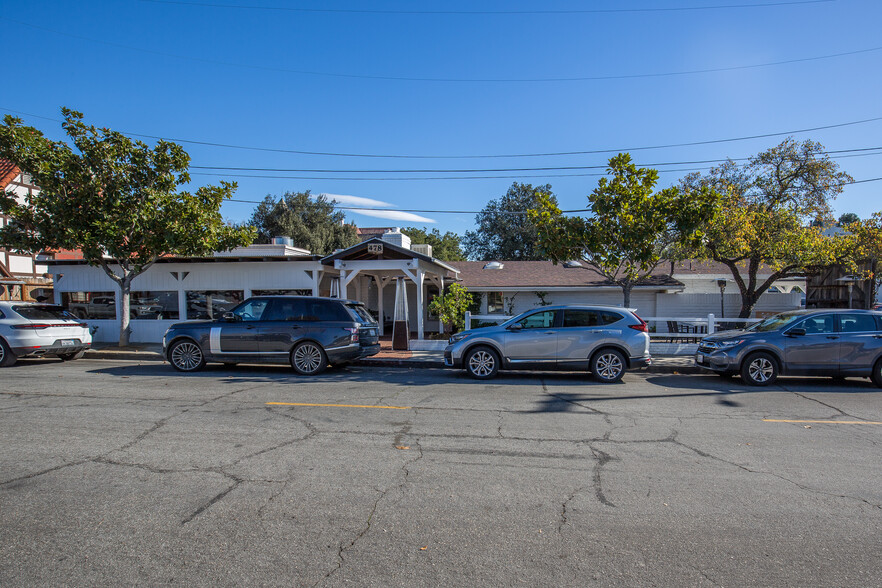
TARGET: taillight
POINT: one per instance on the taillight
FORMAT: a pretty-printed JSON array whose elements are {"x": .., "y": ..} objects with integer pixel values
[
  {"x": 34, "y": 326},
  {"x": 353, "y": 334},
  {"x": 642, "y": 326}
]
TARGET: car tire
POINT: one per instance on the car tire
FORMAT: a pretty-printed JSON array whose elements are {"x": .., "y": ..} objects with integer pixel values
[
  {"x": 877, "y": 374},
  {"x": 309, "y": 359},
  {"x": 72, "y": 356},
  {"x": 186, "y": 356},
  {"x": 759, "y": 369},
  {"x": 482, "y": 363},
  {"x": 7, "y": 357},
  {"x": 608, "y": 366}
]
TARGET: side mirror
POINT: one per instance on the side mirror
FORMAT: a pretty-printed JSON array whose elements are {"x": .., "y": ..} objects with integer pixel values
[
  {"x": 230, "y": 317},
  {"x": 795, "y": 333},
  {"x": 515, "y": 327}
]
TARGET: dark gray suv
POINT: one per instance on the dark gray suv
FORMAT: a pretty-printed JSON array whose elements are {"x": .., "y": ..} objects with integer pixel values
[
  {"x": 834, "y": 342},
  {"x": 307, "y": 332}
]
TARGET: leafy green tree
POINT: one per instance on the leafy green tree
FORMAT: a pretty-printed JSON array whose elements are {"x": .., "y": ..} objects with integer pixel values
[
  {"x": 451, "y": 307},
  {"x": 313, "y": 223},
  {"x": 631, "y": 229},
  {"x": 505, "y": 231},
  {"x": 848, "y": 218},
  {"x": 767, "y": 217},
  {"x": 114, "y": 199},
  {"x": 444, "y": 247}
]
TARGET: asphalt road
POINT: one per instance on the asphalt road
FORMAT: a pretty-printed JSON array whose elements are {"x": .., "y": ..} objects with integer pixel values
[{"x": 115, "y": 473}]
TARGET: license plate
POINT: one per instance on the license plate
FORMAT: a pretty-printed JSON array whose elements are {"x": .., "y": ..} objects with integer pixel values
[
  {"x": 67, "y": 343},
  {"x": 699, "y": 359}
]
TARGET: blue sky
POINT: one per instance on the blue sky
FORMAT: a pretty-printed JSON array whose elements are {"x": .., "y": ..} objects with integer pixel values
[{"x": 455, "y": 79}]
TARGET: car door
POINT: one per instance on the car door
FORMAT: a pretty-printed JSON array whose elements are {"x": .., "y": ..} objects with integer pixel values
[
  {"x": 533, "y": 340},
  {"x": 285, "y": 323},
  {"x": 816, "y": 352},
  {"x": 239, "y": 337},
  {"x": 582, "y": 331},
  {"x": 860, "y": 343}
]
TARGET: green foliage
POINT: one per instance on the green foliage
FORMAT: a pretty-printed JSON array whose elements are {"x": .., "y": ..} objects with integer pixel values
[
  {"x": 451, "y": 307},
  {"x": 444, "y": 247},
  {"x": 772, "y": 215},
  {"x": 109, "y": 196},
  {"x": 313, "y": 223},
  {"x": 631, "y": 229},
  {"x": 505, "y": 231},
  {"x": 848, "y": 218}
]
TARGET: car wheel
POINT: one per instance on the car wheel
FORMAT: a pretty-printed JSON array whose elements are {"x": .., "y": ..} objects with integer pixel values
[
  {"x": 72, "y": 356},
  {"x": 186, "y": 356},
  {"x": 759, "y": 369},
  {"x": 7, "y": 357},
  {"x": 608, "y": 366},
  {"x": 482, "y": 363},
  {"x": 877, "y": 374},
  {"x": 309, "y": 359}
]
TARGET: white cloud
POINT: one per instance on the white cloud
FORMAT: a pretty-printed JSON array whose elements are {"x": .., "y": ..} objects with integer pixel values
[
  {"x": 393, "y": 215},
  {"x": 355, "y": 200}
]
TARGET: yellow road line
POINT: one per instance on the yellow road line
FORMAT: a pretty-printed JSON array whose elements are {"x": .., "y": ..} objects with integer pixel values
[
  {"x": 825, "y": 422},
  {"x": 339, "y": 405}
]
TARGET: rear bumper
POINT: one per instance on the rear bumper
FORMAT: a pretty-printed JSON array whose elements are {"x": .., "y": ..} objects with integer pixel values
[
  {"x": 640, "y": 362},
  {"x": 55, "y": 348}
]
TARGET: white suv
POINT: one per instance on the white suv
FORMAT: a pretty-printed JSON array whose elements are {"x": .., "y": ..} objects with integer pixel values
[{"x": 33, "y": 330}]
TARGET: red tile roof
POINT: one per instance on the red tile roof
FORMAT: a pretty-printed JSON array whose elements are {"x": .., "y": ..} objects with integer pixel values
[{"x": 8, "y": 171}]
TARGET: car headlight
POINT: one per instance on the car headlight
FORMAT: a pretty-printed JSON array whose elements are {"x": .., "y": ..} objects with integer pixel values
[
  {"x": 458, "y": 337},
  {"x": 729, "y": 344}
]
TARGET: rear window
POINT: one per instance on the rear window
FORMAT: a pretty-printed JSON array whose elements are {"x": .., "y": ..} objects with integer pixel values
[
  {"x": 590, "y": 318},
  {"x": 857, "y": 323},
  {"x": 323, "y": 310},
  {"x": 43, "y": 313},
  {"x": 361, "y": 314}
]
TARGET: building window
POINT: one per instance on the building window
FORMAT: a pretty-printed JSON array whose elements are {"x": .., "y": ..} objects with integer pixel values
[
  {"x": 154, "y": 305},
  {"x": 212, "y": 304},
  {"x": 495, "y": 303},
  {"x": 295, "y": 292},
  {"x": 90, "y": 305},
  {"x": 431, "y": 294}
]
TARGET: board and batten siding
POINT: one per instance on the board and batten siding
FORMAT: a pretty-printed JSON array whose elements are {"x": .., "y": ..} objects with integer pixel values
[{"x": 701, "y": 305}]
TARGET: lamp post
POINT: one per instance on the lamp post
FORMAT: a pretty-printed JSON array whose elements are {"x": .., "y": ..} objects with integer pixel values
[
  {"x": 721, "y": 282},
  {"x": 848, "y": 281}
]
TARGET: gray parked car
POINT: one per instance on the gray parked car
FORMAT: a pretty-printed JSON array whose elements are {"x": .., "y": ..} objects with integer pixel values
[
  {"x": 834, "y": 342},
  {"x": 307, "y": 332},
  {"x": 604, "y": 340}
]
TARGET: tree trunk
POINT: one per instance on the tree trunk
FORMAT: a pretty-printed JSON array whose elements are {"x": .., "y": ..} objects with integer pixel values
[
  {"x": 125, "y": 290},
  {"x": 748, "y": 301},
  {"x": 626, "y": 291}
]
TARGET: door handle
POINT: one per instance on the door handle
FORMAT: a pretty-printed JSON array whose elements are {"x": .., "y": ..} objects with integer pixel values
[
  {"x": 832, "y": 336},
  {"x": 249, "y": 327}
]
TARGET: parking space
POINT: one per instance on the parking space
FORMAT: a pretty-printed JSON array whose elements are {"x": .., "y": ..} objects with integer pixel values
[{"x": 118, "y": 472}]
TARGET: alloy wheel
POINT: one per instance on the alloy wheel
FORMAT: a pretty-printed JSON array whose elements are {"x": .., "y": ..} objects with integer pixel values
[
  {"x": 609, "y": 366},
  {"x": 761, "y": 370},
  {"x": 186, "y": 356},
  {"x": 308, "y": 358},
  {"x": 482, "y": 363}
]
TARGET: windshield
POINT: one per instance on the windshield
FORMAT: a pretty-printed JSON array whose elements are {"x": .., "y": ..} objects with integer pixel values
[
  {"x": 773, "y": 323},
  {"x": 43, "y": 313},
  {"x": 512, "y": 321},
  {"x": 361, "y": 314}
]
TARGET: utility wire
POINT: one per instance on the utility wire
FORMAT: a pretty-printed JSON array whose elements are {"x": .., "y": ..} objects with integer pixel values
[
  {"x": 447, "y": 80},
  {"x": 487, "y": 12},
  {"x": 485, "y": 156}
]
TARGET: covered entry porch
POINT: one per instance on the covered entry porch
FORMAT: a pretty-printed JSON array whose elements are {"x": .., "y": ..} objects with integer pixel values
[{"x": 368, "y": 272}]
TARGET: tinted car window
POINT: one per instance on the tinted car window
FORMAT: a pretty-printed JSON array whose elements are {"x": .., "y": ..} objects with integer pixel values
[
  {"x": 608, "y": 318},
  {"x": 362, "y": 316},
  {"x": 285, "y": 310},
  {"x": 821, "y": 324},
  {"x": 42, "y": 313},
  {"x": 323, "y": 310},
  {"x": 252, "y": 310},
  {"x": 539, "y": 320},
  {"x": 857, "y": 323},
  {"x": 581, "y": 318}
]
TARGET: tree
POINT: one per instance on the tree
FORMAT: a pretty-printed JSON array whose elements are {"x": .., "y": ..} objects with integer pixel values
[
  {"x": 444, "y": 247},
  {"x": 866, "y": 246},
  {"x": 848, "y": 218},
  {"x": 114, "y": 199},
  {"x": 505, "y": 232},
  {"x": 313, "y": 223},
  {"x": 767, "y": 216},
  {"x": 630, "y": 230},
  {"x": 451, "y": 307}
]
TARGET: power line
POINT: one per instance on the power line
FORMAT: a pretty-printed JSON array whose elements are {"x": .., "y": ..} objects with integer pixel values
[
  {"x": 419, "y": 210},
  {"x": 487, "y": 12},
  {"x": 484, "y": 156},
  {"x": 441, "y": 79}
]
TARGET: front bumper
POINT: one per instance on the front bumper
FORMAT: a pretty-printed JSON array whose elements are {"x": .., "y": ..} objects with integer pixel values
[
  {"x": 718, "y": 361},
  {"x": 451, "y": 361}
]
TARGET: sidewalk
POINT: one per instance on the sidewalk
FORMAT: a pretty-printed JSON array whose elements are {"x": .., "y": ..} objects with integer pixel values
[{"x": 661, "y": 364}]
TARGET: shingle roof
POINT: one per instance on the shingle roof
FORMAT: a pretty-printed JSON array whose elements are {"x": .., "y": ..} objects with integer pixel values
[
  {"x": 540, "y": 274},
  {"x": 8, "y": 171}
]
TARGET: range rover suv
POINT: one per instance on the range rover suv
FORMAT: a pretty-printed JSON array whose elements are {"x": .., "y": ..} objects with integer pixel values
[{"x": 308, "y": 332}]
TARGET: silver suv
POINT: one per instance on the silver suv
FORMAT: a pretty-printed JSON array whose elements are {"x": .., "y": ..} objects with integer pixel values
[
  {"x": 832, "y": 342},
  {"x": 604, "y": 340}
]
